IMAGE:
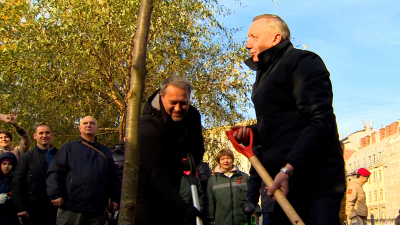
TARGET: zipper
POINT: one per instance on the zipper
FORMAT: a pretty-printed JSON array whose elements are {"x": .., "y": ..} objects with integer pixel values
[
  {"x": 70, "y": 189},
  {"x": 230, "y": 184}
]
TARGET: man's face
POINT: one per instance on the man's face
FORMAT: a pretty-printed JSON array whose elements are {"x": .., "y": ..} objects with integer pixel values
[
  {"x": 261, "y": 38},
  {"x": 5, "y": 141},
  {"x": 88, "y": 126},
  {"x": 176, "y": 102},
  {"x": 43, "y": 135},
  {"x": 6, "y": 167}
]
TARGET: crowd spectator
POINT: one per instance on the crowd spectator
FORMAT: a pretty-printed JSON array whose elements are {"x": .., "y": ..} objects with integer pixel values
[
  {"x": 82, "y": 179},
  {"x": 356, "y": 206},
  {"x": 118, "y": 153},
  {"x": 29, "y": 182},
  {"x": 397, "y": 220},
  {"x": 8, "y": 215},
  {"x": 6, "y": 137},
  {"x": 227, "y": 191},
  {"x": 190, "y": 177}
]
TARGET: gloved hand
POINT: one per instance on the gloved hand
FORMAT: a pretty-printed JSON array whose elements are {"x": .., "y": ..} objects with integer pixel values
[
  {"x": 3, "y": 198},
  {"x": 189, "y": 213}
]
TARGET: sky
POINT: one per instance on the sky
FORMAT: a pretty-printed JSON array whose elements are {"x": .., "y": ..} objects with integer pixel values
[{"x": 359, "y": 41}]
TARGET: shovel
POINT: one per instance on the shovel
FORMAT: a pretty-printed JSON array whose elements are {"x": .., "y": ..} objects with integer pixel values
[
  {"x": 279, "y": 196},
  {"x": 193, "y": 187}
]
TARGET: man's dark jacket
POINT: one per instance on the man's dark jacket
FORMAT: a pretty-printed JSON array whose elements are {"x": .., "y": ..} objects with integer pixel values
[
  {"x": 292, "y": 96},
  {"x": 118, "y": 153},
  {"x": 29, "y": 182},
  {"x": 83, "y": 177},
  {"x": 162, "y": 142}
]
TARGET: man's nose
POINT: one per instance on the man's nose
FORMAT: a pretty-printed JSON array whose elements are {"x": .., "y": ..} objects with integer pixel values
[
  {"x": 177, "y": 107},
  {"x": 249, "y": 44}
]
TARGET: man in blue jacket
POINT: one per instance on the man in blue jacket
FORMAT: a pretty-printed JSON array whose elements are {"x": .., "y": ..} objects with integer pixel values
[{"x": 82, "y": 179}]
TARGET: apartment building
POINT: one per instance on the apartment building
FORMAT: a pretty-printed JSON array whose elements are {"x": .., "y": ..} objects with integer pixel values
[{"x": 379, "y": 152}]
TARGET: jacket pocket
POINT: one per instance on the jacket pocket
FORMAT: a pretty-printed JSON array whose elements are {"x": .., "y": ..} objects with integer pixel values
[{"x": 242, "y": 193}]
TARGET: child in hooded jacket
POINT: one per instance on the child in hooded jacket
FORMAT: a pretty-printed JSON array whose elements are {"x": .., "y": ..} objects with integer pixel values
[{"x": 8, "y": 215}]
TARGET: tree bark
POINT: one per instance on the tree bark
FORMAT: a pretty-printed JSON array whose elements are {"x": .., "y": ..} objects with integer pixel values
[{"x": 137, "y": 81}]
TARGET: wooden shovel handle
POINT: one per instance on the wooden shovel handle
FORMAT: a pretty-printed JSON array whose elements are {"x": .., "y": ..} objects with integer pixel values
[{"x": 279, "y": 196}]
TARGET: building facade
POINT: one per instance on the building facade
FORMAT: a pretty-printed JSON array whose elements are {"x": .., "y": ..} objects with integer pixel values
[{"x": 379, "y": 152}]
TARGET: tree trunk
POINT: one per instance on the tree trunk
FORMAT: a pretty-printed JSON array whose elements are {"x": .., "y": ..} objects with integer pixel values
[{"x": 137, "y": 74}]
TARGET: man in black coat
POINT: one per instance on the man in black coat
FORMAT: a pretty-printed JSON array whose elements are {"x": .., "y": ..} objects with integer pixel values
[
  {"x": 296, "y": 126},
  {"x": 29, "y": 182},
  {"x": 169, "y": 128},
  {"x": 82, "y": 179}
]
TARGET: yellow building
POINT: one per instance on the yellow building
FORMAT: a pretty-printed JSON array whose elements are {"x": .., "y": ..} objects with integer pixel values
[{"x": 379, "y": 152}]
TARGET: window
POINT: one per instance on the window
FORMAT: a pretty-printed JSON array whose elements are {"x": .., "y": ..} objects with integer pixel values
[
  {"x": 374, "y": 158},
  {"x": 379, "y": 175},
  {"x": 381, "y": 194},
  {"x": 370, "y": 197},
  {"x": 375, "y": 195},
  {"x": 373, "y": 177}
]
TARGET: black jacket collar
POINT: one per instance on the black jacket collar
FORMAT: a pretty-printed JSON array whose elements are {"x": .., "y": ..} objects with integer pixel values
[
  {"x": 81, "y": 139},
  {"x": 269, "y": 56}
]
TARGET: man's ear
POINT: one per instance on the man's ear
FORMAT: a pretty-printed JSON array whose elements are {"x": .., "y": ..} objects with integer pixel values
[
  {"x": 34, "y": 136},
  {"x": 277, "y": 39}
]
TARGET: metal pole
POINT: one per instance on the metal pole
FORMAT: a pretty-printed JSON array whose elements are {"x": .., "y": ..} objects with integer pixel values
[{"x": 196, "y": 202}]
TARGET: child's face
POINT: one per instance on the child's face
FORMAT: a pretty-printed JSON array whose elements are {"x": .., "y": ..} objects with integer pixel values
[{"x": 6, "y": 167}]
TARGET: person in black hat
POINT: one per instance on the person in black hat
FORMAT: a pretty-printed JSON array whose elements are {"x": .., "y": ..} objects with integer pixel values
[{"x": 397, "y": 221}]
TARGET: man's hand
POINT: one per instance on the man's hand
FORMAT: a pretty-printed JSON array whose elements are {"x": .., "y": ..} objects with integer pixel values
[
  {"x": 242, "y": 134},
  {"x": 12, "y": 118},
  {"x": 113, "y": 206},
  {"x": 281, "y": 181},
  {"x": 57, "y": 202},
  {"x": 24, "y": 214}
]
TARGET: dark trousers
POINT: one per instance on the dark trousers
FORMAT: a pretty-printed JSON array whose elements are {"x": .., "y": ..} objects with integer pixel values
[
  {"x": 268, "y": 219},
  {"x": 312, "y": 212},
  {"x": 67, "y": 217},
  {"x": 43, "y": 215},
  {"x": 148, "y": 213}
]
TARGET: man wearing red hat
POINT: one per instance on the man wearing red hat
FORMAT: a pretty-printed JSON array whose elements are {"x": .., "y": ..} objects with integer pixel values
[{"x": 356, "y": 206}]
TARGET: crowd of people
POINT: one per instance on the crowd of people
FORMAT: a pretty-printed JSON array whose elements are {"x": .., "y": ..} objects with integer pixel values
[
  {"x": 295, "y": 138},
  {"x": 44, "y": 185}
]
